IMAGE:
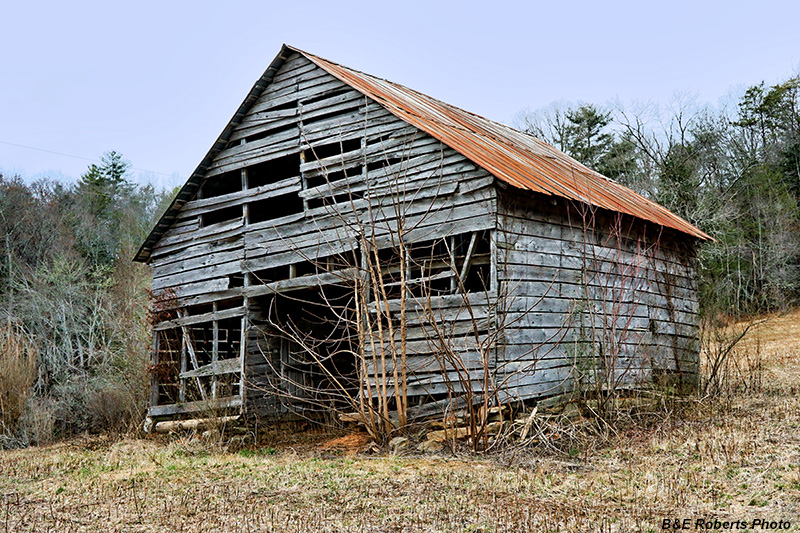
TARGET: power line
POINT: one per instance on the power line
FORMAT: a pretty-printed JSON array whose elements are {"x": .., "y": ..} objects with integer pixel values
[{"x": 78, "y": 157}]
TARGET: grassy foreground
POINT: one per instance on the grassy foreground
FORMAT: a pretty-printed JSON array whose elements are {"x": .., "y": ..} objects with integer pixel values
[{"x": 735, "y": 459}]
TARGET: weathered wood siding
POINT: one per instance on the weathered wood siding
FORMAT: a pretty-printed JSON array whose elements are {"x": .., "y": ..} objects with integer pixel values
[
  {"x": 575, "y": 298},
  {"x": 288, "y": 157},
  {"x": 585, "y": 290}
]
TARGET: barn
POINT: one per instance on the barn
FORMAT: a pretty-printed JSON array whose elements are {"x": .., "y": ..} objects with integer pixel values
[{"x": 349, "y": 244}]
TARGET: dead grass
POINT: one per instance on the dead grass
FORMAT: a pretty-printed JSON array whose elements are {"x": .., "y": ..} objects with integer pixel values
[
  {"x": 18, "y": 362},
  {"x": 737, "y": 460}
]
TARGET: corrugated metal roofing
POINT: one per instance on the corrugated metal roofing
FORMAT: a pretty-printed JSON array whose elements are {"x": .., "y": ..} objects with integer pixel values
[{"x": 513, "y": 157}]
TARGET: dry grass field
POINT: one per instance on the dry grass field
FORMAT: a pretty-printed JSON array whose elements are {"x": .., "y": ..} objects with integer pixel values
[{"x": 733, "y": 458}]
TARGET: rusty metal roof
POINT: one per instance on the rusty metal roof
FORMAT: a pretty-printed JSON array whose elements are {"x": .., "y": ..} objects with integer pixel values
[{"x": 511, "y": 156}]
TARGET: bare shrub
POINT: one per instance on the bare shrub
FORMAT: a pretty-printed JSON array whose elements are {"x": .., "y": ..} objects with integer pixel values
[{"x": 728, "y": 366}]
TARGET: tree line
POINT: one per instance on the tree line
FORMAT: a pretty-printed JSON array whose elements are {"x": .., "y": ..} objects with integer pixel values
[
  {"x": 732, "y": 171},
  {"x": 72, "y": 299}
]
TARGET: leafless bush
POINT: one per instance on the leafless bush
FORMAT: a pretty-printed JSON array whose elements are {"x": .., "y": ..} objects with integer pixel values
[{"x": 728, "y": 365}]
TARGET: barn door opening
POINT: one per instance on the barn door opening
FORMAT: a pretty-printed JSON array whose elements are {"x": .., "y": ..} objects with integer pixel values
[{"x": 304, "y": 362}]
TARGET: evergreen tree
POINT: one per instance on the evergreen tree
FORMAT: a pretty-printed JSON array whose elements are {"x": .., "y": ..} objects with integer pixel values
[{"x": 585, "y": 138}]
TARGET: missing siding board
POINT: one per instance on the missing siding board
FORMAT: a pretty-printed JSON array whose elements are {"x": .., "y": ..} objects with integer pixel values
[
  {"x": 221, "y": 215},
  {"x": 226, "y": 183},
  {"x": 332, "y": 177},
  {"x": 273, "y": 170},
  {"x": 268, "y": 132},
  {"x": 268, "y": 275},
  {"x": 199, "y": 309},
  {"x": 276, "y": 207},
  {"x": 229, "y": 385},
  {"x": 343, "y": 198},
  {"x": 288, "y": 105},
  {"x": 324, "y": 151},
  {"x": 232, "y": 303}
]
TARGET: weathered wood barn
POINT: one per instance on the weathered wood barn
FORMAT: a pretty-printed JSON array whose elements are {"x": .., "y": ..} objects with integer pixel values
[{"x": 348, "y": 238}]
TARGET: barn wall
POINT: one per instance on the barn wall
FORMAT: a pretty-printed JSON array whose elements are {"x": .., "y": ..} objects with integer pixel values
[
  {"x": 281, "y": 196},
  {"x": 585, "y": 291}
]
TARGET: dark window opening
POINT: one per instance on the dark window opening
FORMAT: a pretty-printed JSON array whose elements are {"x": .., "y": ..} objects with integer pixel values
[
  {"x": 165, "y": 371},
  {"x": 235, "y": 280},
  {"x": 273, "y": 170},
  {"x": 201, "y": 337},
  {"x": 313, "y": 203},
  {"x": 324, "y": 151},
  {"x": 330, "y": 177},
  {"x": 268, "y": 275},
  {"x": 226, "y": 183},
  {"x": 282, "y": 107},
  {"x": 311, "y": 314},
  {"x": 199, "y": 309},
  {"x": 229, "y": 335},
  {"x": 231, "y": 303},
  {"x": 306, "y": 268},
  {"x": 222, "y": 215},
  {"x": 478, "y": 279},
  {"x": 275, "y": 207}
]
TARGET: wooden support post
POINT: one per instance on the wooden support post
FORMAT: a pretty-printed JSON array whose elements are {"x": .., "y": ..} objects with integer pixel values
[
  {"x": 214, "y": 351},
  {"x": 243, "y": 345},
  {"x": 245, "y": 205},
  {"x": 303, "y": 184},
  {"x": 184, "y": 368},
  {"x": 468, "y": 256},
  {"x": 154, "y": 362},
  {"x": 493, "y": 261},
  {"x": 451, "y": 248}
]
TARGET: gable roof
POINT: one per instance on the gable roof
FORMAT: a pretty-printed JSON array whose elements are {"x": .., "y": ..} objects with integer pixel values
[{"x": 513, "y": 157}]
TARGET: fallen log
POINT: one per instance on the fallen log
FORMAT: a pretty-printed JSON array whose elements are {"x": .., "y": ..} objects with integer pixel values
[{"x": 199, "y": 424}]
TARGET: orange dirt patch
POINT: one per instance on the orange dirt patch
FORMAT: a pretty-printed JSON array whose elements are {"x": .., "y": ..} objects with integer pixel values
[{"x": 349, "y": 444}]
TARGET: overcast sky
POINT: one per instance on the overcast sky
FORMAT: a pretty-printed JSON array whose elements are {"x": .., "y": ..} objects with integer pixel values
[{"x": 158, "y": 81}]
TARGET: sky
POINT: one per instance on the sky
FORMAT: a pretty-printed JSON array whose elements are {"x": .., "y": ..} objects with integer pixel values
[{"x": 158, "y": 81}]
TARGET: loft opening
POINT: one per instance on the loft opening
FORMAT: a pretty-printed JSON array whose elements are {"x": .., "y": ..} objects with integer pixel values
[
  {"x": 221, "y": 215},
  {"x": 275, "y": 207},
  {"x": 324, "y": 151},
  {"x": 273, "y": 170},
  {"x": 332, "y": 177},
  {"x": 221, "y": 184}
]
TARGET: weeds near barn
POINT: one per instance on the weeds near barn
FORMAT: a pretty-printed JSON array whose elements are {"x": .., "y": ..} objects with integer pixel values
[{"x": 736, "y": 457}]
